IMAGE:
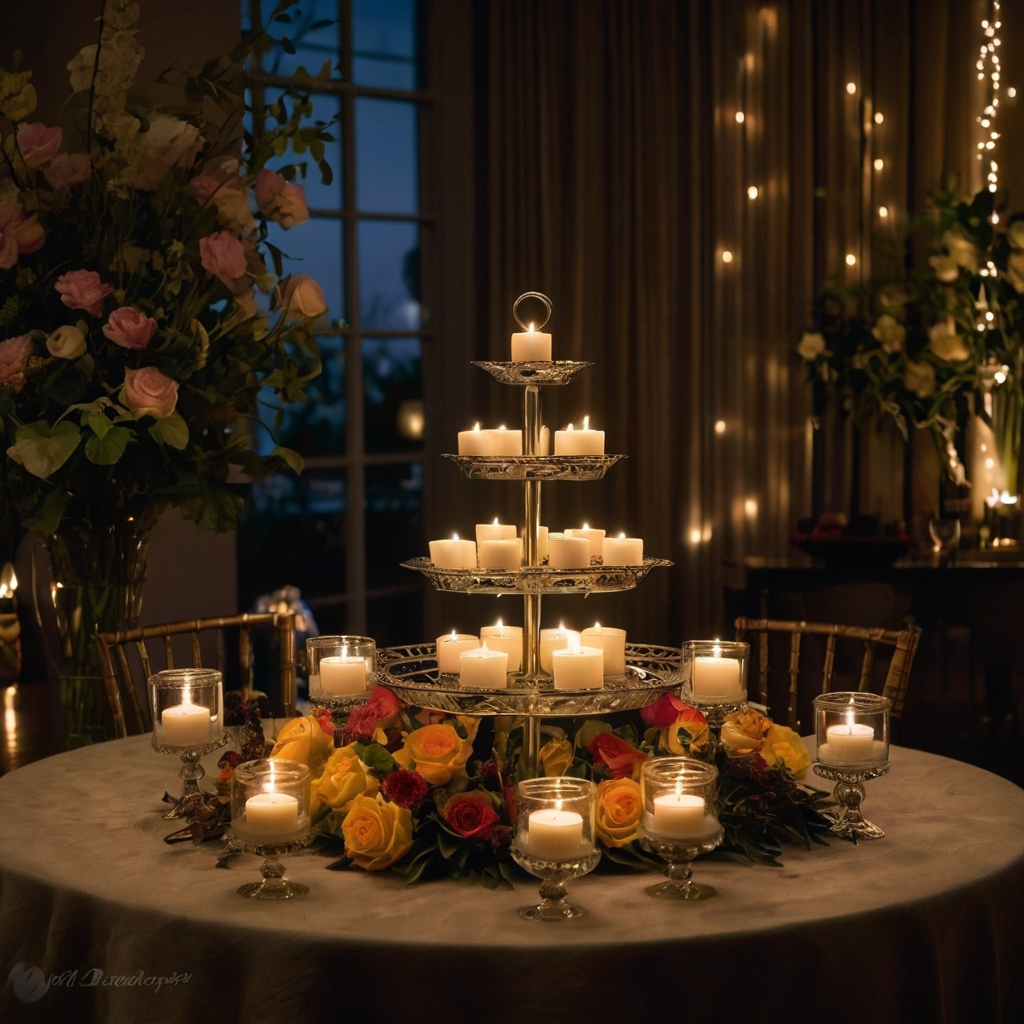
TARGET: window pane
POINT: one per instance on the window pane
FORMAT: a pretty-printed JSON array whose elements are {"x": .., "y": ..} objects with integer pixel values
[
  {"x": 315, "y": 248},
  {"x": 396, "y": 619},
  {"x": 389, "y": 266},
  {"x": 312, "y": 46},
  {"x": 331, "y": 617},
  {"x": 292, "y": 535},
  {"x": 386, "y": 167},
  {"x": 394, "y": 498},
  {"x": 393, "y": 390},
  {"x": 317, "y": 427},
  {"x": 384, "y": 43}
]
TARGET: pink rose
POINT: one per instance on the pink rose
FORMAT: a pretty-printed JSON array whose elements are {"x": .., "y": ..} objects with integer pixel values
[
  {"x": 130, "y": 328},
  {"x": 8, "y": 250},
  {"x": 18, "y": 234},
  {"x": 221, "y": 185},
  {"x": 222, "y": 256},
  {"x": 67, "y": 169},
  {"x": 280, "y": 200},
  {"x": 29, "y": 235},
  {"x": 39, "y": 144},
  {"x": 83, "y": 289},
  {"x": 150, "y": 393},
  {"x": 14, "y": 353}
]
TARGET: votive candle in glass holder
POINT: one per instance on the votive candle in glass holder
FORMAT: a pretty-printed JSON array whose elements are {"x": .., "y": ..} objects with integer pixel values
[
  {"x": 555, "y": 840},
  {"x": 715, "y": 671},
  {"x": 342, "y": 669},
  {"x": 270, "y": 815},
  {"x": 680, "y": 820}
]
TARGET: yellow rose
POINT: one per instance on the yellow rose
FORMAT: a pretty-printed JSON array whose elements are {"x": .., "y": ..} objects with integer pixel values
[
  {"x": 743, "y": 732},
  {"x": 304, "y": 741},
  {"x": 471, "y": 725},
  {"x": 687, "y": 735},
  {"x": 377, "y": 833},
  {"x": 784, "y": 746},
  {"x": 556, "y": 756},
  {"x": 345, "y": 777},
  {"x": 438, "y": 751},
  {"x": 619, "y": 806}
]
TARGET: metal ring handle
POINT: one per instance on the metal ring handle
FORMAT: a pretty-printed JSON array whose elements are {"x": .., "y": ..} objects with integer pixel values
[{"x": 532, "y": 295}]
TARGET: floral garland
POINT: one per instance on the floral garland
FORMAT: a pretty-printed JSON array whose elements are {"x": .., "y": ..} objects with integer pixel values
[{"x": 431, "y": 796}]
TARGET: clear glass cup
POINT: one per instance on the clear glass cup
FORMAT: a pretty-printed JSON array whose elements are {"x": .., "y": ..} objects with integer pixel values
[
  {"x": 715, "y": 671},
  {"x": 342, "y": 669},
  {"x": 555, "y": 840},
  {"x": 945, "y": 535}
]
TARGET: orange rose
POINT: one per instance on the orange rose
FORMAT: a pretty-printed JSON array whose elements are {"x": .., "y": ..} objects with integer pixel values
[
  {"x": 782, "y": 746},
  {"x": 619, "y": 806},
  {"x": 437, "y": 752},
  {"x": 377, "y": 833},
  {"x": 303, "y": 740}
]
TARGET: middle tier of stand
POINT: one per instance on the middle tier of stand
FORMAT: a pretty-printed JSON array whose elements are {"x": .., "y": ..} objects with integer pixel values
[{"x": 534, "y": 467}]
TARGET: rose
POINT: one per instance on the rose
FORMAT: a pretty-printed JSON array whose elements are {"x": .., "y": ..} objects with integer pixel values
[
  {"x": 812, "y": 345},
  {"x": 221, "y": 185},
  {"x": 300, "y": 295},
  {"x": 782, "y": 746},
  {"x": 961, "y": 248},
  {"x": 280, "y": 200},
  {"x": 130, "y": 328},
  {"x": 946, "y": 343},
  {"x": 223, "y": 257},
  {"x": 83, "y": 289},
  {"x": 688, "y": 734},
  {"x": 8, "y": 250},
  {"x": 1015, "y": 233},
  {"x": 1015, "y": 270},
  {"x": 38, "y": 144},
  {"x": 380, "y": 711},
  {"x": 18, "y": 234},
  {"x": 618, "y": 756},
  {"x": 470, "y": 815},
  {"x": 343, "y": 779},
  {"x": 150, "y": 393},
  {"x": 889, "y": 333},
  {"x": 920, "y": 379},
  {"x": 663, "y": 712},
  {"x": 619, "y": 807},
  {"x": 437, "y": 752},
  {"x": 67, "y": 169},
  {"x": 376, "y": 833},
  {"x": 743, "y": 732},
  {"x": 14, "y": 355},
  {"x": 303, "y": 740},
  {"x": 947, "y": 270},
  {"x": 405, "y": 788},
  {"x": 555, "y": 756},
  {"x": 169, "y": 142},
  {"x": 67, "y": 342}
]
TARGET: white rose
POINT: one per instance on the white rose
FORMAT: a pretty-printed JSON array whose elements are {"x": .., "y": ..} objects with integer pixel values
[
  {"x": 1015, "y": 234},
  {"x": 169, "y": 142},
  {"x": 920, "y": 379},
  {"x": 811, "y": 346},
  {"x": 300, "y": 294},
  {"x": 889, "y": 333},
  {"x": 946, "y": 343},
  {"x": 961, "y": 248},
  {"x": 946, "y": 268},
  {"x": 66, "y": 342}
]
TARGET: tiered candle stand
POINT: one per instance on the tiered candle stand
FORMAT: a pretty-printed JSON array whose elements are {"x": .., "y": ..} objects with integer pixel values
[{"x": 650, "y": 671}]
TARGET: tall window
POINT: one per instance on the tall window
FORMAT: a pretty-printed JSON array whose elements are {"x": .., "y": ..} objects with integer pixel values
[{"x": 339, "y": 531}]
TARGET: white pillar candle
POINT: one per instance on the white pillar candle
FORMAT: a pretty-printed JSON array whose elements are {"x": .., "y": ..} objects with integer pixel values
[
  {"x": 531, "y": 346},
  {"x": 596, "y": 538},
  {"x": 613, "y": 642},
  {"x": 343, "y": 673},
  {"x": 568, "y": 552},
  {"x": 186, "y": 725},
  {"x": 553, "y": 640},
  {"x": 449, "y": 649},
  {"x": 495, "y": 531},
  {"x": 271, "y": 814},
  {"x": 483, "y": 667},
  {"x": 716, "y": 677},
  {"x": 473, "y": 442},
  {"x": 622, "y": 550},
  {"x": 453, "y": 554},
  {"x": 554, "y": 834},
  {"x": 679, "y": 815},
  {"x": 508, "y": 639},
  {"x": 501, "y": 554},
  {"x": 849, "y": 743},
  {"x": 577, "y": 668},
  {"x": 504, "y": 442},
  {"x": 579, "y": 442}
]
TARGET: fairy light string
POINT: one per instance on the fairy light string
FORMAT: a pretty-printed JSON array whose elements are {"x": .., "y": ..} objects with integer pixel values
[{"x": 988, "y": 67}]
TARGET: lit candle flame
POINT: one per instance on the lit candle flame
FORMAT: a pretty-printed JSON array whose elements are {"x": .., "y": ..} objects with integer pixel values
[
  {"x": 476, "y": 426},
  {"x": 586, "y": 422},
  {"x": 530, "y": 329},
  {"x": 453, "y": 638},
  {"x": 570, "y": 427},
  {"x": 597, "y": 627},
  {"x": 573, "y": 643},
  {"x": 496, "y": 521},
  {"x": 455, "y": 536}
]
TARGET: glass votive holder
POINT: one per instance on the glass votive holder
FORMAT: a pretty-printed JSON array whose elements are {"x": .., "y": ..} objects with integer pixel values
[
  {"x": 715, "y": 671},
  {"x": 342, "y": 669},
  {"x": 188, "y": 721},
  {"x": 680, "y": 821},
  {"x": 555, "y": 840},
  {"x": 270, "y": 815}
]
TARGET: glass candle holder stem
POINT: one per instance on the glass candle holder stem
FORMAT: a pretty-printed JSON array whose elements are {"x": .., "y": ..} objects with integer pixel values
[
  {"x": 848, "y": 821},
  {"x": 274, "y": 885},
  {"x": 191, "y": 772},
  {"x": 680, "y": 884}
]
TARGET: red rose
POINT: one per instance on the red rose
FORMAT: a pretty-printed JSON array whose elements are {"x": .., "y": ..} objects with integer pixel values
[
  {"x": 616, "y": 755},
  {"x": 405, "y": 788},
  {"x": 663, "y": 712},
  {"x": 470, "y": 815},
  {"x": 382, "y": 706}
]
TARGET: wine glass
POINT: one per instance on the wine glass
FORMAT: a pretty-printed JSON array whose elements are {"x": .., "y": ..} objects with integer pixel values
[{"x": 945, "y": 534}]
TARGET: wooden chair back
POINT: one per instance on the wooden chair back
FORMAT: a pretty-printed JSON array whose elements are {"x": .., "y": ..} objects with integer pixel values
[
  {"x": 903, "y": 641},
  {"x": 127, "y": 694}
]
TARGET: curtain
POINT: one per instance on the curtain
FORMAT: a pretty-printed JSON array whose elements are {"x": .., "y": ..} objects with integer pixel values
[{"x": 601, "y": 152}]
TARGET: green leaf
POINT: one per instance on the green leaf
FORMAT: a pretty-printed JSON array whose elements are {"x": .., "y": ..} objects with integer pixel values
[
  {"x": 86, "y": 366},
  {"x": 293, "y": 459},
  {"x": 106, "y": 449},
  {"x": 171, "y": 430},
  {"x": 42, "y": 451},
  {"x": 99, "y": 424},
  {"x": 376, "y": 757},
  {"x": 48, "y": 516}
]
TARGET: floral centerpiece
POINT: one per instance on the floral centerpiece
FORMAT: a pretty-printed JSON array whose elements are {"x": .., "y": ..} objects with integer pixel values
[
  {"x": 143, "y": 312},
  {"x": 926, "y": 348},
  {"x": 429, "y": 795}
]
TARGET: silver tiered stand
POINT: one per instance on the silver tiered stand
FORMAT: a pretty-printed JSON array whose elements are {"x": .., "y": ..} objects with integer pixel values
[{"x": 411, "y": 672}]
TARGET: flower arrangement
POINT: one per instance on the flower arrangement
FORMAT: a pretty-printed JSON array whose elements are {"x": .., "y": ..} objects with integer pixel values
[
  {"x": 925, "y": 348},
  {"x": 429, "y": 795}
]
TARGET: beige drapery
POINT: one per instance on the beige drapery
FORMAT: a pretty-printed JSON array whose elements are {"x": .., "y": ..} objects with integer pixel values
[{"x": 590, "y": 149}]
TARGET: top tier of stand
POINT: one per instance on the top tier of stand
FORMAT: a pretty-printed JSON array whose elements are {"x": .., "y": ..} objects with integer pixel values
[{"x": 555, "y": 371}]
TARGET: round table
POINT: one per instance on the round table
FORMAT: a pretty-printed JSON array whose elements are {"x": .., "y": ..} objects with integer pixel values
[{"x": 925, "y": 925}]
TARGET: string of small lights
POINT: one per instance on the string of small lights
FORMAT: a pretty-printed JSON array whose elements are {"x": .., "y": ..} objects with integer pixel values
[{"x": 988, "y": 66}]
